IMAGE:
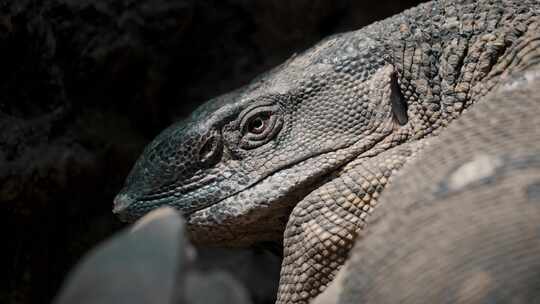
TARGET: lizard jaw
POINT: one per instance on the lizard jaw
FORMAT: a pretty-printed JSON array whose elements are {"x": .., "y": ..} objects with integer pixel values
[{"x": 260, "y": 212}]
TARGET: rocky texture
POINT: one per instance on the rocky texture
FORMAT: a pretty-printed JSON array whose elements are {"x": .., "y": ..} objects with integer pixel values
[{"x": 85, "y": 84}]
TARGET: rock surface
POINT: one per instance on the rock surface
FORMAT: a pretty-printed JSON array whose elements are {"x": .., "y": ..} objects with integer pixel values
[
  {"x": 150, "y": 263},
  {"x": 145, "y": 265}
]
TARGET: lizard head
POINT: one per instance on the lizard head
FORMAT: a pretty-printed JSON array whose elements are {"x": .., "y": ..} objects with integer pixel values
[{"x": 239, "y": 164}]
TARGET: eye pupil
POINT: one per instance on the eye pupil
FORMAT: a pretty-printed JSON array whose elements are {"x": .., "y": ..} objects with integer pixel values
[{"x": 257, "y": 125}]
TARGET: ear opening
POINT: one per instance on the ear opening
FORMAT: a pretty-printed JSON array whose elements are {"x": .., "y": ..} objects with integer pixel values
[{"x": 399, "y": 104}]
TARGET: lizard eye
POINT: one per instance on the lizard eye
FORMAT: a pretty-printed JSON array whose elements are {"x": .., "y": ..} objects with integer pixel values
[{"x": 259, "y": 126}]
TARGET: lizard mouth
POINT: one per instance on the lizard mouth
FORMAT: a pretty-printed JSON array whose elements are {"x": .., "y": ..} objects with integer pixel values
[
  {"x": 291, "y": 166},
  {"x": 260, "y": 212},
  {"x": 130, "y": 208}
]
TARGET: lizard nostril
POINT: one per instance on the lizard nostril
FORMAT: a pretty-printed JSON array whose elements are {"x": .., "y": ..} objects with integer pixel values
[{"x": 210, "y": 152}]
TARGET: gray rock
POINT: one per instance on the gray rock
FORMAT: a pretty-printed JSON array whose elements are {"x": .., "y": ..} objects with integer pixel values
[
  {"x": 136, "y": 266},
  {"x": 215, "y": 287}
]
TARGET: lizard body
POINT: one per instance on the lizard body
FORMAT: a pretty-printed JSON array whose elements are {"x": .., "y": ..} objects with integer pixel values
[
  {"x": 303, "y": 152},
  {"x": 461, "y": 223}
]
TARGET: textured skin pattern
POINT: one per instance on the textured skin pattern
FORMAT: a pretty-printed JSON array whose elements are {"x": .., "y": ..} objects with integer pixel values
[
  {"x": 461, "y": 224},
  {"x": 324, "y": 225},
  {"x": 303, "y": 152}
]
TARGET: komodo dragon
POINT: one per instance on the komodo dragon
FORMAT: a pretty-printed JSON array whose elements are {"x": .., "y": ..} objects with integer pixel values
[{"x": 303, "y": 152}]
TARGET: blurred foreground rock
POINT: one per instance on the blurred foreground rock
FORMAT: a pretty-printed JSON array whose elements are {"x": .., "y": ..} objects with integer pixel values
[{"x": 149, "y": 263}]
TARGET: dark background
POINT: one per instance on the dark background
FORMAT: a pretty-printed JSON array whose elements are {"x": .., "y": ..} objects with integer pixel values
[{"x": 84, "y": 85}]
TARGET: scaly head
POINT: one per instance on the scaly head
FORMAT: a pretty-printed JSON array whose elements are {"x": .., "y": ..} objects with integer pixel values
[{"x": 241, "y": 162}]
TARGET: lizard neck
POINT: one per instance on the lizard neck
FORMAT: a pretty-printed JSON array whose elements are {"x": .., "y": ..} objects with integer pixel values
[{"x": 446, "y": 64}]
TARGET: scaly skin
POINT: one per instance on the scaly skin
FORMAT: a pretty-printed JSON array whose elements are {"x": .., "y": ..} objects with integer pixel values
[
  {"x": 303, "y": 152},
  {"x": 461, "y": 223}
]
